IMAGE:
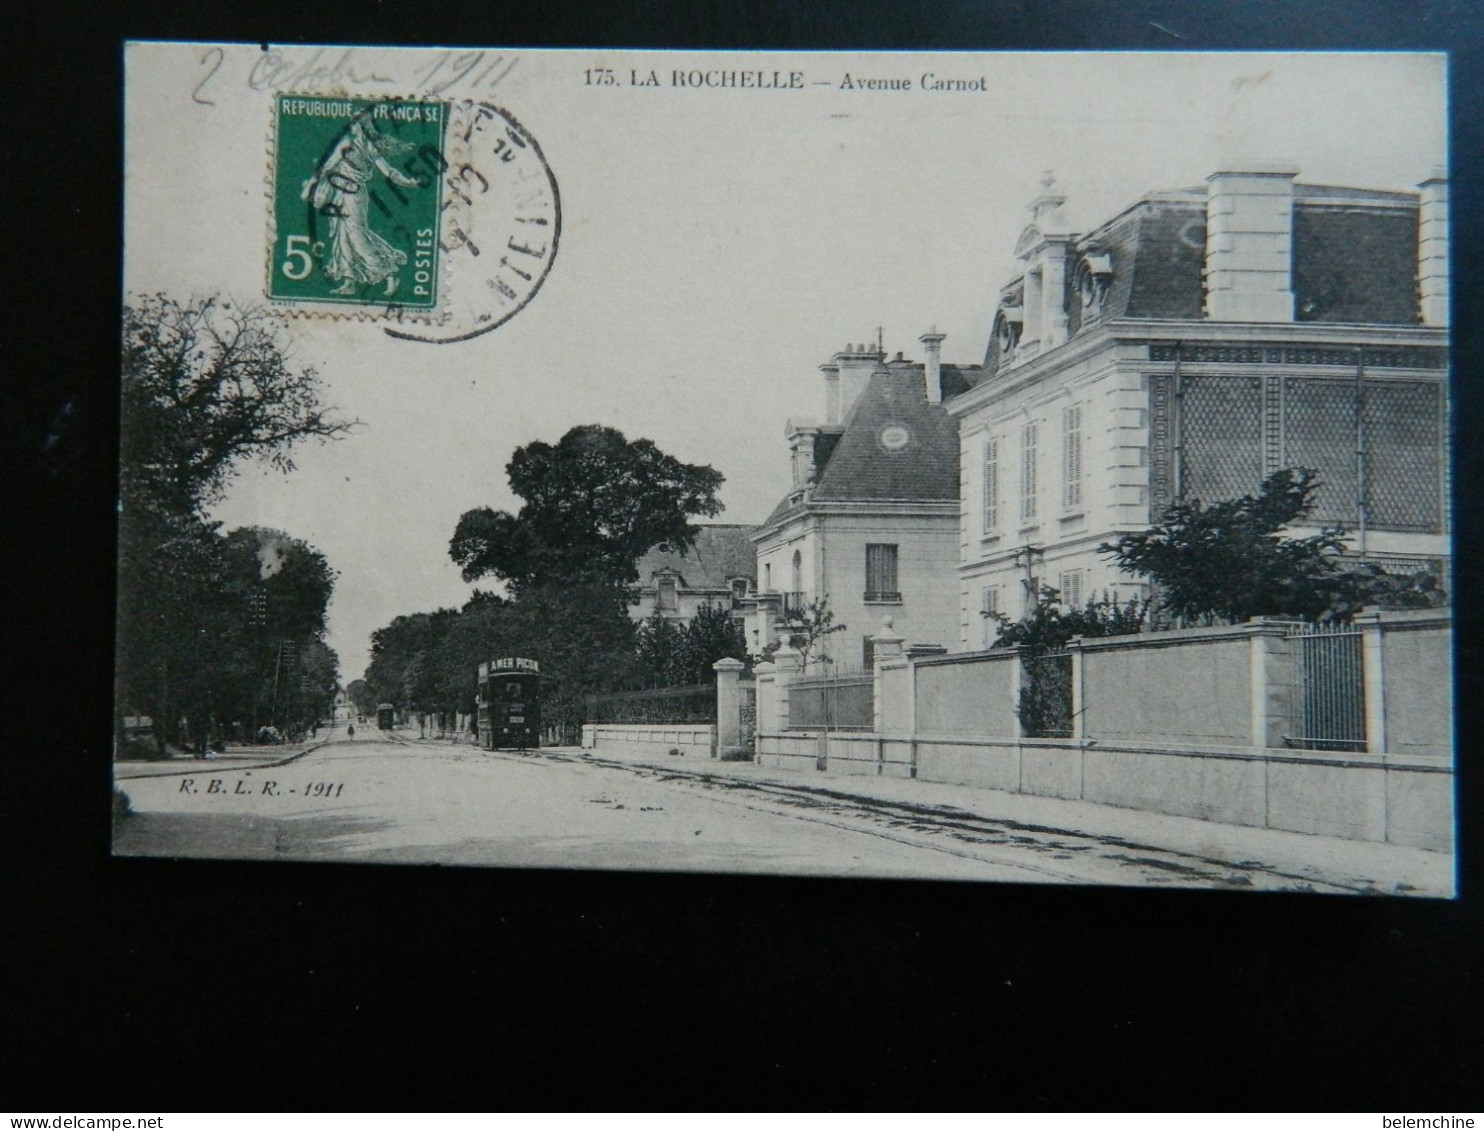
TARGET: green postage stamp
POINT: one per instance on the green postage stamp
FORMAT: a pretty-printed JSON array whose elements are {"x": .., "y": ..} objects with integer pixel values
[{"x": 356, "y": 202}]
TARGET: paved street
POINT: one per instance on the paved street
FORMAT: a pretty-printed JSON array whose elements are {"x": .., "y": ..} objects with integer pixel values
[{"x": 396, "y": 799}]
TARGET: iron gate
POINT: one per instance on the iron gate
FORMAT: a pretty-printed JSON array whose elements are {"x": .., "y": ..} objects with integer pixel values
[
  {"x": 747, "y": 720},
  {"x": 1045, "y": 702},
  {"x": 1329, "y": 688},
  {"x": 841, "y": 699}
]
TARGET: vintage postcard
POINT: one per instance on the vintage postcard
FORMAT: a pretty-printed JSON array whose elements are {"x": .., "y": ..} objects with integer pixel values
[{"x": 1018, "y": 467}]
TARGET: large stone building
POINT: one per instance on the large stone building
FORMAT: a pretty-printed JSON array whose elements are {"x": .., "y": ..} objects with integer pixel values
[
  {"x": 871, "y": 519},
  {"x": 1188, "y": 347}
]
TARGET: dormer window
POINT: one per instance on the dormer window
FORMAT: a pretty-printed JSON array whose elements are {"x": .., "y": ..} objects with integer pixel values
[
  {"x": 667, "y": 596},
  {"x": 1008, "y": 324},
  {"x": 739, "y": 588},
  {"x": 1094, "y": 273}
]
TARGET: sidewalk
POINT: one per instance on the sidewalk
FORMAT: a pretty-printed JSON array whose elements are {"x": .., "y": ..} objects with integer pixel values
[
  {"x": 233, "y": 758},
  {"x": 1361, "y": 865}
]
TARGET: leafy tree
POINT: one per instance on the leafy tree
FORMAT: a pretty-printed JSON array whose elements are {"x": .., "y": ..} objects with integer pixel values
[
  {"x": 205, "y": 386},
  {"x": 203, "y": 618},
  {"x": 173, "y": 616},
  {"x": 660, "y": 648},
  {"x": 403, "y": 668},
  {"x": 594, "y": 503},
  {"x": 809, "y": 627},
  {"x": 672, "y": 653},
  {"x": 268, "y": 658},
  {"x": 712, "y": 634},
  {"x": 319, "y": 676},
  {"x": 1050, "y": 626},
  {"x": 1368, "y": 584},
  {"x": 1230, "y": 561},
  {"x": 360, "y": 698},
  {"x": 582, "y": 637},
  {"x": 1044, "y": 703}
]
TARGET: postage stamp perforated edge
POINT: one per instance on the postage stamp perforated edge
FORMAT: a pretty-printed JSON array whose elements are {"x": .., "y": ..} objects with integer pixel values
[{"x": 367, "y": 309}]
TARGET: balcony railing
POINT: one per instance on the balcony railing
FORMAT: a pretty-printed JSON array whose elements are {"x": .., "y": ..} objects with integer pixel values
[{"x": 794, "y": 603}]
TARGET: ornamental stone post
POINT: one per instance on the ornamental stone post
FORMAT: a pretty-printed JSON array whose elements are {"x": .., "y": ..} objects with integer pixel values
[
  {"x": 886, "y": 647},
  {"x": 728, "y": 709}
]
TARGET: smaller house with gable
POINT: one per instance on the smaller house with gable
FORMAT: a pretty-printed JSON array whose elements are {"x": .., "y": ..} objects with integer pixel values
[
  {"x": 720, "y": 569},
  {"x": 871, "y": 520}
]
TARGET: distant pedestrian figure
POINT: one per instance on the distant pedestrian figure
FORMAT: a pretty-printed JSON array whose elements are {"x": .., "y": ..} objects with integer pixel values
[{"x": 351, "y": 730}]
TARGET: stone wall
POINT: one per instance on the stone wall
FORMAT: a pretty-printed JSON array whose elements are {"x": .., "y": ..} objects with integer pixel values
[
  {"x": 968, "y": 694},
  {"x": 615, "y": 739},
  {"x": 1189, "y": 723},
  {"x": 1191, "y": 686}
]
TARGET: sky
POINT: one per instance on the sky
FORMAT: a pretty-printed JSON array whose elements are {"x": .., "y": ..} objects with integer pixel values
[{"x": 717, "y": 246}]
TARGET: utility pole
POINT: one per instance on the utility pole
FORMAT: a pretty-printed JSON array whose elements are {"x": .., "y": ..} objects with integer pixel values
[
  {"x": 1025, "y": 557},
  {"x": 257, "y": 616}
]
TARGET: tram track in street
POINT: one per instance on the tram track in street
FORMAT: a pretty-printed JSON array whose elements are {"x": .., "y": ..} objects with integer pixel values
[{"x": 999, "y": 841}]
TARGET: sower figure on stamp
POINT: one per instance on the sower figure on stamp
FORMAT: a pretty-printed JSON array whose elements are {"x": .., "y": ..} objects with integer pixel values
[{"x": 339, "y": 190}]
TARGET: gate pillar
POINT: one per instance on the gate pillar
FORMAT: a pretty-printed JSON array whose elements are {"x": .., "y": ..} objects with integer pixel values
[
  {"x": 1272, "y": 681},
  {"x": 1372, "y": 654},
  {"x": 728, "y": 709}
]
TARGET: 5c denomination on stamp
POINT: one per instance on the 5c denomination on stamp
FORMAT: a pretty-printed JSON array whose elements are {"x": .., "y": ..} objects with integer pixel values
[{"x": 357, "y": 205}]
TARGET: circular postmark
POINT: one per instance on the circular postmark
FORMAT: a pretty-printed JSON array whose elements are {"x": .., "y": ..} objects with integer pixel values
[{"x": 498, "y": 229}]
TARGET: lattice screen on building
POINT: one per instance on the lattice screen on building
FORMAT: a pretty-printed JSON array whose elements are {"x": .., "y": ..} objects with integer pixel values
[
  {"x": 1403, "y": 449},
  {"x": 1319, "y": 433},
  {"x": 1223, "y": 437}
]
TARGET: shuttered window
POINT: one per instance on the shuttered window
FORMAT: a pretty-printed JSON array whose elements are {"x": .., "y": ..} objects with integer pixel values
[
  {"x": 991, "y": 485},
  {"x": 989, "y": 607},
  {"x": 1071, "y": 427},
  {"x": 881, "y": 573},
  {"x": 1071, "y": 589},
  {"x": 1029, "y": 438}
]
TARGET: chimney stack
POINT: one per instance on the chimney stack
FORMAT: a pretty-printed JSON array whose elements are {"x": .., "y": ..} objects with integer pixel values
[
  {"x": 855, "y": 363},
  {"x": 1249, "y": 243},
  {"x": 932, "y": 368},
  {"x": 1432, "y": 249},
  {"x": 801, "y": 434},
  {"x": 831, "y": 393}
]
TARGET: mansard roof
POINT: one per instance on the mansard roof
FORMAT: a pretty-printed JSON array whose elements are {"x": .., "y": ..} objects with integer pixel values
[
  {"x": 856, "y": 462},
  {"x": 872, "y": 463},
  {"x": 722, "y": 552},
  {"x": 1354, "y": 259}
]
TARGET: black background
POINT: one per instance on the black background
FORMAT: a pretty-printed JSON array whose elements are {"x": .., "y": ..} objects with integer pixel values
[{"x": 160, "y": 985}]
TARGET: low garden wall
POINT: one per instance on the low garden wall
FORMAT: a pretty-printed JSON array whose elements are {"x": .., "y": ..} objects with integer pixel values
[
  {"x": 692, "y": 740},
  {"x": 1192, "y": 723}
]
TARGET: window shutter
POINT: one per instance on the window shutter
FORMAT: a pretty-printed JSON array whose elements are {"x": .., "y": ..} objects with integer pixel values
[
  {"x": 1028, "y": 439},
  {"x": 1071, "y": 589},
  {"x": 991, "y": 485},
  {"x": 1072, "y": 455},
  {"x": 989, "y": 605}
]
